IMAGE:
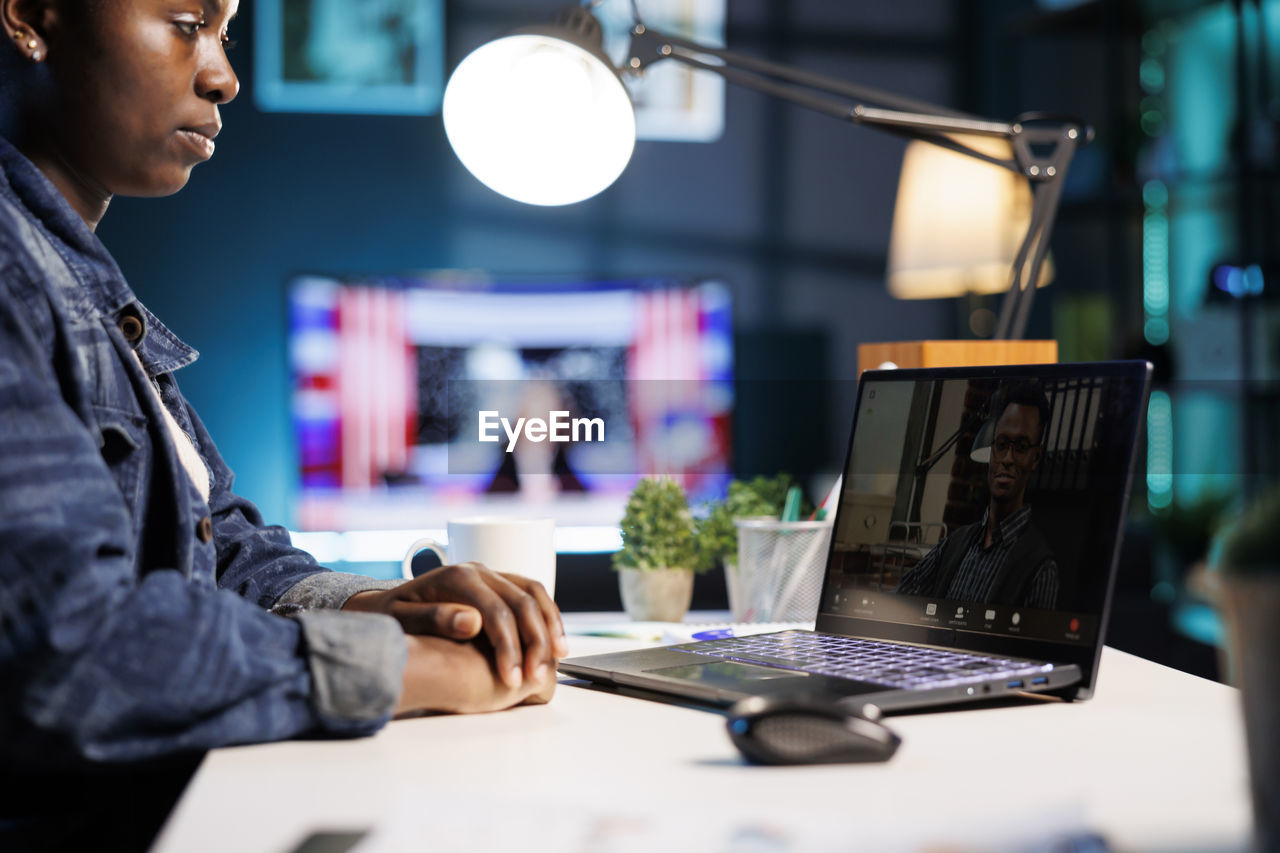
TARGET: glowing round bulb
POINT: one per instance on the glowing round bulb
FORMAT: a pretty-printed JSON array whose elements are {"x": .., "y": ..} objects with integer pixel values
[{"x": 539, "y": 119}]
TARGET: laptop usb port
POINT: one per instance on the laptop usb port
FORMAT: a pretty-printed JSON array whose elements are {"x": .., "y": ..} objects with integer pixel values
[
  {"x": 1014, "y": 685},
  {"x": 1040, "y": 680}
]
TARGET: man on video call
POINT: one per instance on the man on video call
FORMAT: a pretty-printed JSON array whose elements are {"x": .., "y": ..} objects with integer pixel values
[{"x": 1002, "y": 558}]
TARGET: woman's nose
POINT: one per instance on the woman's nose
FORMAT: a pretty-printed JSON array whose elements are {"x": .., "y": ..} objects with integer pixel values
[{"x": 217, "y": 81}]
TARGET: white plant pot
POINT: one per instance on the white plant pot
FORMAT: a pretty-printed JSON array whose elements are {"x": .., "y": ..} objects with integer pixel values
[{"x": 656, "y": 595}]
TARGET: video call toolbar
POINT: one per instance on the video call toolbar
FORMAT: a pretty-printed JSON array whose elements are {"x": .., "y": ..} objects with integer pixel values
[{"x": 1033, "y": 624}]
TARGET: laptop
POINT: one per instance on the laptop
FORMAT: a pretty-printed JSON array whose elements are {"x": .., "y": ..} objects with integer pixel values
[{"x": 1007, "y": 489}]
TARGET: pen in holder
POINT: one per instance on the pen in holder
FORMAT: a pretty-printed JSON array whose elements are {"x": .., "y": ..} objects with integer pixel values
[{"x": 780, "y": 567}]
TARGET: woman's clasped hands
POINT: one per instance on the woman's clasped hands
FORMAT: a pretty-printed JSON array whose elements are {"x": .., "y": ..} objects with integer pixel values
[{"x": 478, "y": 640}]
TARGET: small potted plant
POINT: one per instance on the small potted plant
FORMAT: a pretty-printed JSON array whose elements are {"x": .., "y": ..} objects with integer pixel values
[
  {"x": 1250, "y": 563},
  {"x": 659, "y": 552}
]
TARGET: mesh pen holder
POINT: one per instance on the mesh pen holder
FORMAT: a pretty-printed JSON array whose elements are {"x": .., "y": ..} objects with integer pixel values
[{"x": 780, "y": 569}]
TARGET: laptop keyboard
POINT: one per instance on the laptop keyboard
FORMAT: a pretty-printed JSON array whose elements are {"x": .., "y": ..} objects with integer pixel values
[{"x": 889, "y": 664}]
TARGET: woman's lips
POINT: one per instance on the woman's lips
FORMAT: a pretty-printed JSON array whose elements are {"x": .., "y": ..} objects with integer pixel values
[{"x": 202, "y": 144}]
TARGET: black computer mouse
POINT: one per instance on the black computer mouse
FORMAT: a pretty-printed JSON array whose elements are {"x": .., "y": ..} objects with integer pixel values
[{"x": 805, "y": 729}]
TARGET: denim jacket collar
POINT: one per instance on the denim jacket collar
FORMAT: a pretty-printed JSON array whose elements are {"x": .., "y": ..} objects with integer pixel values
[{"x": 101, "y": 290}]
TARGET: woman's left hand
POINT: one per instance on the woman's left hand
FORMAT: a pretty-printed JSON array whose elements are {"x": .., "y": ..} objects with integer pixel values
[{"x": 515, "y": 613}]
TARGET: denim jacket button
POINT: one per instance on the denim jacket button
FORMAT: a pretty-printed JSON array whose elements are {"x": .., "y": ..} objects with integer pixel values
[
  {"x": 204, "y": 530},
  {"x": 131, "y": 328}
]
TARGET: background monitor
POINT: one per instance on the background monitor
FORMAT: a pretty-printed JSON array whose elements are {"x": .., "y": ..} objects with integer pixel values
[{"x": 389, "y": 373}]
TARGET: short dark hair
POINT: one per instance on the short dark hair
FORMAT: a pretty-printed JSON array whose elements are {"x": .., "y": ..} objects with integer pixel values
[{"x": 1022, "y": 392}]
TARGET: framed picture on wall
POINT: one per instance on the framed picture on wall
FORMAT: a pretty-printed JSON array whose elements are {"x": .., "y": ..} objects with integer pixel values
[
  {"x": 349, "y": 56},
  {"x": 673, "y": 102}
]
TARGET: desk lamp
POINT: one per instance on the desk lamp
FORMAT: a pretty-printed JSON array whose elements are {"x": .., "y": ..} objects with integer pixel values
[
  {"x": 957, "y": 226},
  {"x": 542, "y": 116}
]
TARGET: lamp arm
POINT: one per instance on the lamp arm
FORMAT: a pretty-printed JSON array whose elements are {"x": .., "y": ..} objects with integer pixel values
[
  {"x": 898, "y": 114},
  {"x": 1049, "y": 195},
  {"x": 970, "y": 423},
  {"x": 649, "y": 46},
  {"x": 784, "y": 90},
  {"x": 1016, "y": 305},
  {"x": 934, "y": 129},
  {"x": 1015, "y": 308},
  {"x": 1042, "y": 145},
  {"x": 924, "y": 465},
  {"x": 910, "y": 125}
]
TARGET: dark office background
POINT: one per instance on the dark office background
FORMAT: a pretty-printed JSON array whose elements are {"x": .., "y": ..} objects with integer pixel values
[{"x": 791, "y": 209}]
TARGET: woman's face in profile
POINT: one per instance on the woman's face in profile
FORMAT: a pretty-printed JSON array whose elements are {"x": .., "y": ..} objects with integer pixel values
[{"x": 139, "y": 83}]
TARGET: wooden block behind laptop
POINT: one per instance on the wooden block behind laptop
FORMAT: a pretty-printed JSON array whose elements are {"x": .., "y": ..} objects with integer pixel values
[{"x": 956, "y": 353}]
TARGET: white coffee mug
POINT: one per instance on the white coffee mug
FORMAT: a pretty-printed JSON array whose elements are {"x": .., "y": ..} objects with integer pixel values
[{"x": 521, "y": 546}]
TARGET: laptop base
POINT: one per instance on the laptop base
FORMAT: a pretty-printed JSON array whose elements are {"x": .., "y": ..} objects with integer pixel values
[{"x": 721, "y": 682}]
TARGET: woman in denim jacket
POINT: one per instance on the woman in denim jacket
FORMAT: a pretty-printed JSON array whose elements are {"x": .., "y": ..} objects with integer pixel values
[{"x": 146, "y": 611}]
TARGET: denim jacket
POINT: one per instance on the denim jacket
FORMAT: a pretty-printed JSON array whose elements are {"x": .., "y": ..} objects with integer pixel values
[{"x": 135, "y": 617}]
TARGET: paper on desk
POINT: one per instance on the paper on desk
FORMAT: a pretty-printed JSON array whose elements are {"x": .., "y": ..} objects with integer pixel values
[
  {"x": 682, "y": 632},
  {"x": 433, "y": 820}
]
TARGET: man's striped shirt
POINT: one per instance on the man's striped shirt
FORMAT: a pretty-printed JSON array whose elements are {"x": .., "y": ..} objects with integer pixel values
[{"x": 976, "y": 576}]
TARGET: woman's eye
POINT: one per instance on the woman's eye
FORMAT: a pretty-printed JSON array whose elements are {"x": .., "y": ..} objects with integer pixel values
[
  {"x": 188, "y": 28},
  {"x": 228, "y": 42}
]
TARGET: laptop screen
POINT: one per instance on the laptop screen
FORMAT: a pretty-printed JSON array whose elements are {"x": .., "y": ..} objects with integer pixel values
[{"x": 986, "y": 501}]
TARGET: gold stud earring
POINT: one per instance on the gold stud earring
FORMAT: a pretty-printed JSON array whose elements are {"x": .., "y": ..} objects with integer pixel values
[{"x": 33, "y": 44}]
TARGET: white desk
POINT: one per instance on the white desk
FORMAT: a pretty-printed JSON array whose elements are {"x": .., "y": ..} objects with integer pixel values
[{"x": 1154, "y": 762}]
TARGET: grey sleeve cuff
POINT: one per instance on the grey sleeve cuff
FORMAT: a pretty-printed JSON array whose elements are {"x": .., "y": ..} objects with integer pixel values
[
  {"x": 327, "y": 591},
  {"x": 357, "y": 665}
]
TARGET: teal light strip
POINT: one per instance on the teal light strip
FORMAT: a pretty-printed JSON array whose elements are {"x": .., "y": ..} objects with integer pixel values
[
  {"x": 1155, "y": 263},
  {"x": 1159, "y": 451}
]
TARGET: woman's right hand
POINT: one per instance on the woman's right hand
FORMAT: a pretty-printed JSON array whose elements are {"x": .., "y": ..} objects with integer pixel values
[
  {"x": 518, "y": 621},
  {"x": 460, "y": 677}
]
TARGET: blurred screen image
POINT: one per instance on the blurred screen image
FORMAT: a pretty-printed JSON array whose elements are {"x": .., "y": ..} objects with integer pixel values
[{"x": 394, "y": 378}]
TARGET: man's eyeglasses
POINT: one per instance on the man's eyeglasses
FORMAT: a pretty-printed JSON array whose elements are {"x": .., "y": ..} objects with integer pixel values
[{"x": 1019, "y": 448}]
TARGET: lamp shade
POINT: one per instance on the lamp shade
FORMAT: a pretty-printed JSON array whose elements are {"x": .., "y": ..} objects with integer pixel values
[
  {"x": 540, "y": 118},
  {"x": 957, "y": 222}
]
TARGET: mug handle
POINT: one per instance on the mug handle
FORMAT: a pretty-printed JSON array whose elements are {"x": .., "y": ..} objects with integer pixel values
[{"x": 406, "y": 565}]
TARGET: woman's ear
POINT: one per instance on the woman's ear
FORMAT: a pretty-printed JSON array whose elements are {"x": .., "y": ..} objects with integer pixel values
[{"x": 26, "y": 26}]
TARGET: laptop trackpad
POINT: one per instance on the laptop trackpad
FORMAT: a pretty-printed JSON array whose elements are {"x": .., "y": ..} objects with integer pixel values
[
  {"x": 744, "y": 679},
  {"x": 726, "y": 673}
]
